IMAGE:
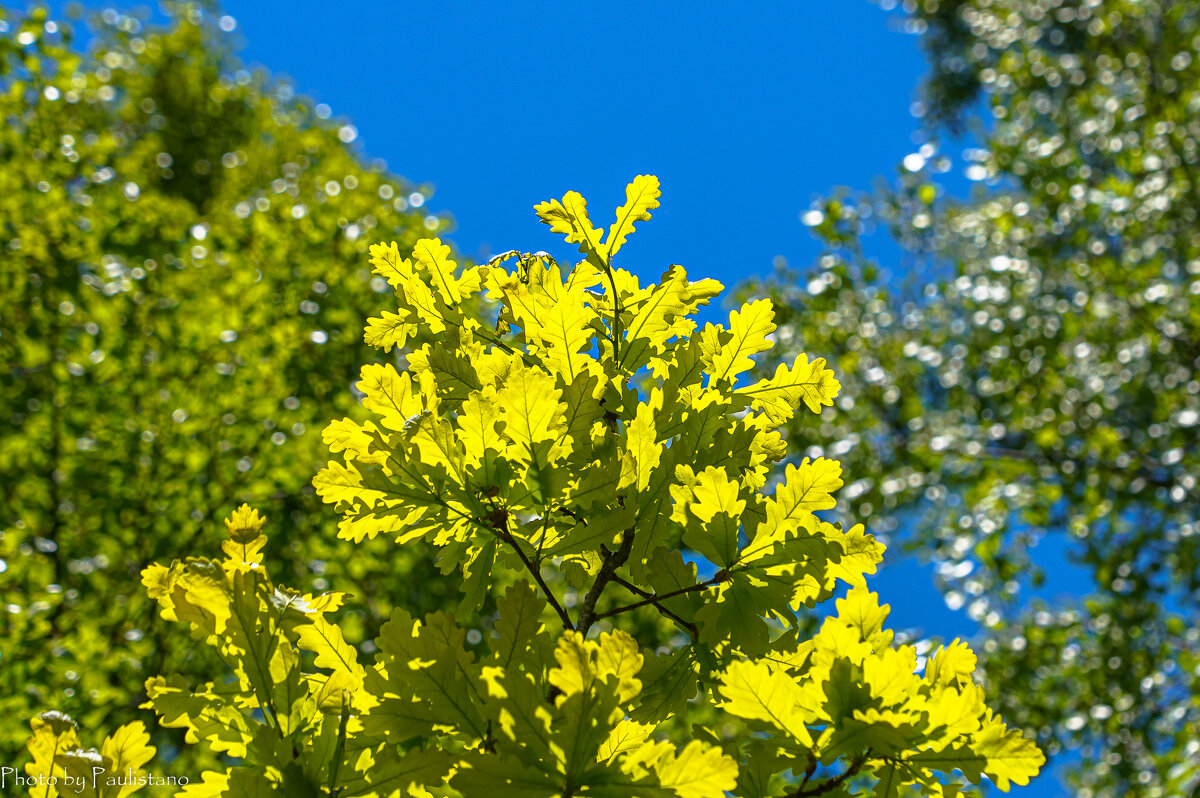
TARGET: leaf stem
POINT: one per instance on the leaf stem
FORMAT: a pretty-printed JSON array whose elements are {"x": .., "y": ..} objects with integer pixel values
[
  {"x": 616, "y": 328},
  {"x": 340, "y": 750}
]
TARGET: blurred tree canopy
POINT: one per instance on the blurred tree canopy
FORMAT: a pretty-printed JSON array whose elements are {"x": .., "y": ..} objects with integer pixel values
[
  {"x": 1031, "y": 368},
  {"x": 180, "y": 297}
]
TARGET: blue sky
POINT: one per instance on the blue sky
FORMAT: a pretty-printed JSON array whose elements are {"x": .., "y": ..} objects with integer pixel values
[{"x": 744, "y": 112}]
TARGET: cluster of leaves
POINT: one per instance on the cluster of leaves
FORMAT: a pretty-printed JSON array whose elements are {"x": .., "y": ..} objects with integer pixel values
[
  {"x": 596, "y": 435},
  {"x": 594, "y": 432},
  {"x": 425, "y": 713},
  {"x": 1044, "y": 380},
  {"x": 60, "y": 765},
  {"x": 182, "y": 246}
]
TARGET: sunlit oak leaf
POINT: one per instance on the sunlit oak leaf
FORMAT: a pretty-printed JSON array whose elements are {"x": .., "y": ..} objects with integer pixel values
[
  {"x": 661, "y": 316},
  {"x": 890, "y": 675},
  {"x": 626, "y": 736},
  {"x": 643, "y": 452},
  {"x": 388, "y": 263},
  {"x": 715, "y": 503},
  {"x": 839, "y": 640},
  {"x": 336, "y": 483},
  {"x": 246, "y": 540},
  {"x": 565, "y": 327},
  {"x": 805, "y": 489},
  {"x": 530, "y": 407},
  {"x": 433, "y": 258},
  {"x": 804, "y": 382},
  {"x": 953, "y": 664},
  {"x": 389, "y": 330},
  {"x": 332, "y": 651},
  {"x": 583, "y": 662},
  {"x": 808, "y": 486},
  {"x": 749, "y": 327},
  {"x": 755, "y": 691},
  {"x": 436, "y": 446},
  {"x": 861, "y": 554},
  {"x": 1003, "y": 755},
  {"x": 159, "y": 581},
  {"x": 204, "y": 714},
  {"x": 447, "y": 372},
  {"x": 569, "y": 218},
  {"x": 641, "y": 197},
  {"x": 128, "y": 749},
  {"x": 366, "y": 523},
  {"x": 1011, "y": 757},
  {"x": 201, "y": 595},
  {"x": 390, "y": 394},
  {"x": 248, "y": 553},
  {"x": 244, "y": 525},
  {"x": 476, "y": 430},
  {"x": 861, "y": 611},
  {"x": 581, "y": 399},
  {"x": 955, "y": 712},
  {"x": 355, "y": 439},
  {"x": 698, "y": 771}
]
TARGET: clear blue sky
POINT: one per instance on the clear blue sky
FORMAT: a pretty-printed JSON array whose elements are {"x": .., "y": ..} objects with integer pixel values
[{"x": 745, "y": 111}]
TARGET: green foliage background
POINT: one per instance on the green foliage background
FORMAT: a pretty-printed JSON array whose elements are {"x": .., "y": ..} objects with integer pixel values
[{"x": 181, "y": 288}]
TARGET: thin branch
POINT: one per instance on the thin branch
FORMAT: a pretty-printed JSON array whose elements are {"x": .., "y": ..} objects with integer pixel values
[
  {"x": 501, "y": 532},
  {"x": 687, "y": 626},
  {"x": 612, "y": 561},
  {"x": 830, "y": 784},
  {"x": 536, "y": 573},
  {"x": 720, "y": 576},
  {"x": 808, "y": 772},
  {"x": 542, "y": 536}
]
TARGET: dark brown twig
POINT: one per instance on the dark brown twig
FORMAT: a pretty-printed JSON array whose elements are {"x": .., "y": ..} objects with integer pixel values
[
  {"x": 608, "y": 569},
  {"x": 720, "y": 576},
  {"x": 536, "y": 573},
  {"x": 687, "y": 626},
  {"x": 829, "y": 784}
]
